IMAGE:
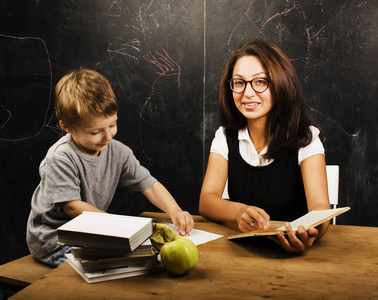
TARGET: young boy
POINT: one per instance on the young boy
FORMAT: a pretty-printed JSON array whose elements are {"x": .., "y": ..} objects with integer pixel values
[{"x": 82, "y": 170}]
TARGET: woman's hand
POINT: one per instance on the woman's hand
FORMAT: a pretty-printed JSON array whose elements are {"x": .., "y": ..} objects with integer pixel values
[
  {"x": 184, "y": 221},
  {"x": 252, "y": 218},
  {"x": 295, "y": 242}
]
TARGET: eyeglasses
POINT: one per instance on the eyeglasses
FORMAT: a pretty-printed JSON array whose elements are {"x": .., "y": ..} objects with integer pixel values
[{"x": 259, "y": 85}]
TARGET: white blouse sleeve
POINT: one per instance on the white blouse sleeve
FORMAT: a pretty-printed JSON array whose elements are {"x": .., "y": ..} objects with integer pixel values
[
  {"x": 315, "y": 147},
  {"x": 219, "y": 144}
]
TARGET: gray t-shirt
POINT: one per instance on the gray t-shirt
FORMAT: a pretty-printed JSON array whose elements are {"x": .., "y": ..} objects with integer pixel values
[{"x": 68, "y": 174}]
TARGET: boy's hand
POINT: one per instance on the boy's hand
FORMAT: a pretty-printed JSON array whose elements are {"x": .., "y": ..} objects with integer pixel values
[
  {"x": 184, "y": 221},
  {"x": 161, "y": 198}
]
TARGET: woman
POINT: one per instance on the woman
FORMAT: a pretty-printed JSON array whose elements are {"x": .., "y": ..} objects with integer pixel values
[{"x": 268, "y": 150}]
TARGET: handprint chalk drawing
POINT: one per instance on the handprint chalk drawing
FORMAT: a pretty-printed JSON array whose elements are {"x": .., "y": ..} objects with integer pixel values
[
  {"x": 167, "y": 66},
  {"x": 168, "y": 77}
]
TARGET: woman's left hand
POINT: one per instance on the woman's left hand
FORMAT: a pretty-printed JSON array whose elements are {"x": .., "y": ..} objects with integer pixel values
[{"x": 295, "y": 242}]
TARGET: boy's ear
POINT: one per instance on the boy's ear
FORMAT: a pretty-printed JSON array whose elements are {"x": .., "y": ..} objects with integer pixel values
[{"x": 66, "y": 129}]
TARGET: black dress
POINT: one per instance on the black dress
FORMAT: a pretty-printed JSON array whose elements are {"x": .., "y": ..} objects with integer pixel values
[{"x": 277, "y": 188}]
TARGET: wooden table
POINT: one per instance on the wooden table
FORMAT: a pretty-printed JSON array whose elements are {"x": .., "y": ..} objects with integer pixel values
[
  {"x": 18, "y": 274},
  {"x": 342, "y": 265}
]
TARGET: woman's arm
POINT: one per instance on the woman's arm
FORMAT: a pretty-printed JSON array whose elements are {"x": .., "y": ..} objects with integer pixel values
[
  {"x": 214, "y": 207},
  {"x": 314, "y": 177},
  {"x": 211, "y": 203}
]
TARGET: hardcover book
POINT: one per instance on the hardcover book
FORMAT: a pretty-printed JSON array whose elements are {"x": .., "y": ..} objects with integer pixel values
[
  {"x": 93, "y": 253},
  {"x": 95, "y": 265},
  {"x": 105, "y": 231}
]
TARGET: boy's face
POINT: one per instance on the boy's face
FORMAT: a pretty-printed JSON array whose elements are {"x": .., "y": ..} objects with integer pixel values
[{"x": 95, "y": 134}]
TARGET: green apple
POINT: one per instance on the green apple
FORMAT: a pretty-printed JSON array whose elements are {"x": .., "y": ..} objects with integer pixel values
[{"x": 179, "y": 256}]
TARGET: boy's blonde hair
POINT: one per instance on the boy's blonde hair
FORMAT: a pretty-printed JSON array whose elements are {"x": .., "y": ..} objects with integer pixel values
[{"x": 81, "y": 95}]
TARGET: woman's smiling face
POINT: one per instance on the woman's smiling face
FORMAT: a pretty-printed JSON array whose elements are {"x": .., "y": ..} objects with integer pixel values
[{"x": 254, "y": 106}]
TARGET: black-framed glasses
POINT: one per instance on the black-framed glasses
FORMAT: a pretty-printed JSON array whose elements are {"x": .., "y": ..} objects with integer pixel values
[{"x": 259, "y": 85}]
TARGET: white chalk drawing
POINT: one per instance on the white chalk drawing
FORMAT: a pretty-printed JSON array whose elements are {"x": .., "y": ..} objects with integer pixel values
[{"x": 27, "y": 71}]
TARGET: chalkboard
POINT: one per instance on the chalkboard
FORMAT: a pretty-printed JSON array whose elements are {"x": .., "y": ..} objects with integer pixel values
[{"x": 164, "y": 60}]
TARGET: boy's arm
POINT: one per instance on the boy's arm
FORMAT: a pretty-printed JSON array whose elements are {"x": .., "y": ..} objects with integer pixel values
[
  {"x": 162, "y": 199},
  {"x": 76, "y": 207}
]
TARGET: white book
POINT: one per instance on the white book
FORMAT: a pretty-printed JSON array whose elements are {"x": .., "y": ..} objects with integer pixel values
[
  {"x": 105, "y": 231},
  {"x": 315, "y": 218},
  {"x": 116, "y": 273}
]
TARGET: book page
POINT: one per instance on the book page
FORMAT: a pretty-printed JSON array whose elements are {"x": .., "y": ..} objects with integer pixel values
[{"x": 315, "y": 217}]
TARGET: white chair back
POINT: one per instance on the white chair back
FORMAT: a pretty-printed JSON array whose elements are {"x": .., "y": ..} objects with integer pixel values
[{"x": 333, "y": 186}]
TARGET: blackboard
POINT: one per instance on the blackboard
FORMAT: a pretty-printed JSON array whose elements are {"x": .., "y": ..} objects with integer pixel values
[{"x": 164, "y": 60}]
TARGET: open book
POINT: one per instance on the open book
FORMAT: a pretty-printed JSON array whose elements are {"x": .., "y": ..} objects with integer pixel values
[{"x": 311, "y": 219}]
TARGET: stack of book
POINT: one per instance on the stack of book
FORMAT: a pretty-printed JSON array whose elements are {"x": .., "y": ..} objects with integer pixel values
[{"x": 109, "y": 246}]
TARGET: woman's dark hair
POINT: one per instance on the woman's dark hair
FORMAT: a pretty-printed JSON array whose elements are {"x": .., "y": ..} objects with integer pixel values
[{"x": 288, "y": 121}]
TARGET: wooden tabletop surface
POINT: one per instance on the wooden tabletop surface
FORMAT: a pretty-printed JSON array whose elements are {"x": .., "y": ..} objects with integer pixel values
[
  {"x": 15, "y": 272},
  {"x": 341, "y": 265}
]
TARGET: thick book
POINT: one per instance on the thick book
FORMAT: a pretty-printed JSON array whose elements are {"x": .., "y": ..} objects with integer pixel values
[
  {"x": 105, "y": 231},
  {"x": 93, "y": 254},
  {"x": 311, "y": 219},
  {"x": 93, "y": 260},
  {"x": 95, "y": 265},
  {"x": 116, "y": 273}
]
